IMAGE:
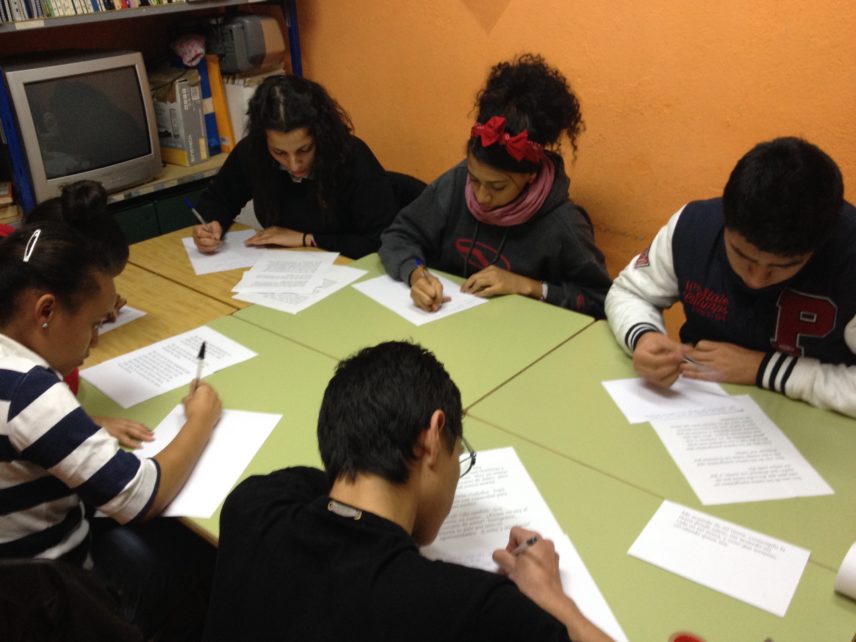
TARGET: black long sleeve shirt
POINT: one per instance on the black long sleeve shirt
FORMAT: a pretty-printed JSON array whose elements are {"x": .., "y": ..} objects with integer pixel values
[{"x": 362, "y": 208}]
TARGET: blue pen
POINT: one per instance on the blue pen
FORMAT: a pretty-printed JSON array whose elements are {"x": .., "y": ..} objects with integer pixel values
[
  {"x": 421, "y": 264},
  {"x": 195, "y": 212}
]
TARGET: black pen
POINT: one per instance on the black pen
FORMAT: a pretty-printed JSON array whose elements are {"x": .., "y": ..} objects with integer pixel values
[
  {"x": 525, "y": 546},
  {"x": 200, "y": 358}
]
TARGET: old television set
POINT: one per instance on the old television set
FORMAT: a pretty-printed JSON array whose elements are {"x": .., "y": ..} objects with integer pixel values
[{"x": 73, "y": 117}]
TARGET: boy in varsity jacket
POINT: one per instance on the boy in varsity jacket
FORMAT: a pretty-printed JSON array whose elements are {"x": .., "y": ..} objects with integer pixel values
[{"x": 767, "y": 278}]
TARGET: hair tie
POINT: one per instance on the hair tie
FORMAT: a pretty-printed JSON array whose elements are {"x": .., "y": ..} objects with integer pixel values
[{"x": 519, "y": 147}]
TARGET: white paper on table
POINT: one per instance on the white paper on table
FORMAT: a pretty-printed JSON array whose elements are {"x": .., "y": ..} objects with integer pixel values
[
  {"x": 495, "y": 495},
  {"x": 738, "y": 456},
  {"x": 231, "y": 255},
  {"x": 845, "y": 581},
  {"x": 337, "y": 277},
  {"x": 126, "y": 315},
  {"x": 287, "y": 271},
  {"x": 395, "y": 296},
  {"x": 163, "y": 366},
  {"x": 742, "y": 563},
  {"x": 233, "y": 444},
  {"x": 641, "y": 401}
]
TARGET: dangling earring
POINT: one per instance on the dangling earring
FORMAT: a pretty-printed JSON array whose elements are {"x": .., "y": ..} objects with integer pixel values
[{"x": 45, "y": 325}]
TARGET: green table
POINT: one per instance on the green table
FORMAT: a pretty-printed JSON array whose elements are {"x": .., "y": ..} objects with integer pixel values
[
  {"x": 560, "y": 404},
  {"x": 284, "y": 378},
  {"x": 601, "y": 512},
  {"x": 482, "y": 347},
  {"x": 603, "y": 516}
]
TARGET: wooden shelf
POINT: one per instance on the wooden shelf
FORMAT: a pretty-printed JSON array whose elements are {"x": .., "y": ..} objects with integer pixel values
[
  {"x": 171, "y": 176},
  {"x": 120, "y": 14}
]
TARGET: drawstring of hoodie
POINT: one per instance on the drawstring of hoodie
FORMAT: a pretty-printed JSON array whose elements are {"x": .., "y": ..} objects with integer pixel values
[{"x": 473, "y": 244}]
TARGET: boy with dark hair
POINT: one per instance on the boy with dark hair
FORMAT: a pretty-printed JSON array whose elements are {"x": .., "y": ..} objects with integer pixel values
[
  {"x": 308, "y": 556},
  {"x": 765, "y": 275}
]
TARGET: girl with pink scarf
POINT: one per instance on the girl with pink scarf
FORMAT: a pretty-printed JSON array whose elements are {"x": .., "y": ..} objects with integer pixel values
[{"x": 502, "y": 219}]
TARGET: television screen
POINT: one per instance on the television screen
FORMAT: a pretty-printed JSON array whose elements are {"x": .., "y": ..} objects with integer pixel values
[{"x": 89, "y": 121}]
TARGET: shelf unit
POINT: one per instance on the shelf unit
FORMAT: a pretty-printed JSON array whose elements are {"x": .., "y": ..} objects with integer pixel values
[
  {"x": 153, "y": 200},
  {"x": 289, "y": 10}
]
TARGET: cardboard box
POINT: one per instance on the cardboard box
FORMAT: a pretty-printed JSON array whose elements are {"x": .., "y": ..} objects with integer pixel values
[{"x": 177, "y": 99}]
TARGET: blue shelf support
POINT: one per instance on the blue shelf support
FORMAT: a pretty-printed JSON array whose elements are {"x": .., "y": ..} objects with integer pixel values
[{"x": 290, "y": 10}]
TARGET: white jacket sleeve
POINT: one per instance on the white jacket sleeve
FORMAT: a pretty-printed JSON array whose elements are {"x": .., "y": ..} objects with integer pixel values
[
  {"x": 825, "y": 385},
  {"x": 647, "y": 286}
]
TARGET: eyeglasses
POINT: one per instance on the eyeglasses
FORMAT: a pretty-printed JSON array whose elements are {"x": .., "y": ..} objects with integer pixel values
[{"x": 468, "y": 459}]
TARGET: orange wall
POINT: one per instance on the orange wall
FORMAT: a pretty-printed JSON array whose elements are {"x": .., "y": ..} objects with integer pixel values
[{"x": 673, "y": 91}]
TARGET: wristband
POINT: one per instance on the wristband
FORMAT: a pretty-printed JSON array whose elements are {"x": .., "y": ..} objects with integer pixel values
[
  {"x": 543, "y": 291},
  {"x": 304, "y": 239}
]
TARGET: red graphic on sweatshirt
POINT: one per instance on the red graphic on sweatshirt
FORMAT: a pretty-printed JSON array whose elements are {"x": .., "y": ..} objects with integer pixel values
[
  {"x": 802, "y": 315},
  {"x": 704, "y": 301},
  {"x": 482, "y": 254}
]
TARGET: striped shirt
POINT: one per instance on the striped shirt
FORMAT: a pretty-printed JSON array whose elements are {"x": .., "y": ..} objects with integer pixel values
[{"x": 53, "y": 457}]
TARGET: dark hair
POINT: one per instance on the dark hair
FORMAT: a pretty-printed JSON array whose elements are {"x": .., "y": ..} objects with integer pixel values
[
  {"x": 285, "y": 103},
  {"x": 83, "y": 206},
  {"x": 532, "y": 96},
  {"x": 784, "y": 196},
  {"x": 60, "y": 262},
  {"x": 376, "y": 405}
]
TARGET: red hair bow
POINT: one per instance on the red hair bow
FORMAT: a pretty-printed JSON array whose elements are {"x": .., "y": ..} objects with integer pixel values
[{"x": 519, "y": 147}]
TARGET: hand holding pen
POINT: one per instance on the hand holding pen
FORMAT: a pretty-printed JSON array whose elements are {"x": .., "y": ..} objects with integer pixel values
[
  {"x": 530, "y": 561},
  {"x": 426, "y": 289},
  {"x": 207, "y": 235}
]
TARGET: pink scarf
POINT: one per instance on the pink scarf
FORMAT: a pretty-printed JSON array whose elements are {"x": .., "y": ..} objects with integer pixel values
[{"x": 522, "y": 208}]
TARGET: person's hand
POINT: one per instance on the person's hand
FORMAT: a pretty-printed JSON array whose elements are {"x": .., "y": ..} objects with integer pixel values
[
  {"x": 130, "y": 433},
  {"x": 208, "y": 237},
  {"x": 275, "y": 235},
  {"x": 202, "y": 404},
  {"x": 658, "y": 359},
  {"x": 493, "y": 281},
  {"x": 717, "y": 361},
  {"x": 426, "y": 290},
  {"x": 114, "y": 313},
  {"x": 535, "y": 571}
]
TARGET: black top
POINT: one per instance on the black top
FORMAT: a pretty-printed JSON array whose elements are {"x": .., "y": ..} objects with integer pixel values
[
  {"x": 289, "y": 569},
  {"x": 363, "y": 206}
]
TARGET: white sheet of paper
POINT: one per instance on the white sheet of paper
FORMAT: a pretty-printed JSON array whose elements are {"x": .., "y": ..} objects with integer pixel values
[
  {"x": 126, "y": 315},
  {"x": 845, "y": 581},
  {"x": 287, "y": 271},
  {"x": 231, "y": 255},
  {"x": 163, "y": 366},
  {"x": 738, "y": 456},
  {"x": 337, "y": 277},
  {"x": 395, "y": 296},
  {"x": 495, "y": 495},
  {"x": 747, "y": 565},
  {"x": 235, "y": 441},
  {"x": 641, "y": 401}
]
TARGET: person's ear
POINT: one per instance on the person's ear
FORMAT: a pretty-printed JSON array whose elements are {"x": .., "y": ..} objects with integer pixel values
[
  {"x": 531, "y": 178},
  {"x": 432, "y": 439},
  {"x": 44, "y": 309}
]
